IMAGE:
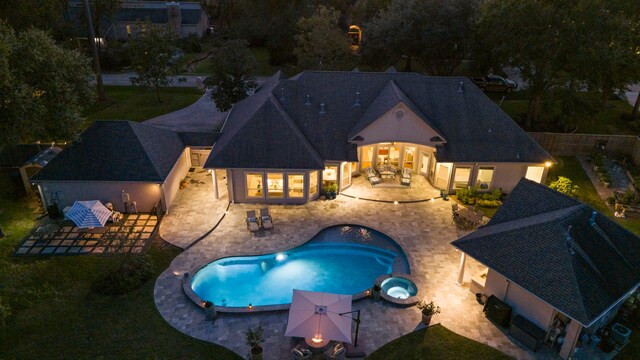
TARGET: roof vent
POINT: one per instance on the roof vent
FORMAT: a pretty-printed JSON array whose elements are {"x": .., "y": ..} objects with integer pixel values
[
  {"x": 355, "y": 69},
  {"x": 569, "y": 240},
  {"x": 356, "y": 102},
  {"x": 322, "y": 109},
  {"x": 307, "y": 100},
  {"x": 460, "y": 87},
  {"x": 518, "y": 155},
  {"x": 490, "y": 130},
  {"x": 436, "y": 139},
  {"x": 399, "y": 114},
  {"x": 281, "y": 98},
  {"x": 592, "y": 220}
]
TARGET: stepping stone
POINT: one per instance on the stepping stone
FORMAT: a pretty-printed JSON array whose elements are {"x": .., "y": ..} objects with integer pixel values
[
  {"x": 55, "y": 242},
  {"x": 61, "y": 250},
  {"x": 35, "y": 250},
  {"x": 74, "y": 250},
  {"x": 48, "y": 250},
  {"x": 98, "y": 250},
  {"x": 22, "y": 250}
]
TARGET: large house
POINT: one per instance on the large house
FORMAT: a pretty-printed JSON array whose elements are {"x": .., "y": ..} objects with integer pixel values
[
  {"x": 556, "y": 261},
  {"x": 294, "y": 136}
]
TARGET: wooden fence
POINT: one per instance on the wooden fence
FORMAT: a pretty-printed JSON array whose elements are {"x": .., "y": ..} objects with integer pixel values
[{"x": 583, "y": 144}]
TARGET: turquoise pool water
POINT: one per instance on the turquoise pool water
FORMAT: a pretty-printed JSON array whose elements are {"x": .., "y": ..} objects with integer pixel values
[{"x": 341, "y": 259}]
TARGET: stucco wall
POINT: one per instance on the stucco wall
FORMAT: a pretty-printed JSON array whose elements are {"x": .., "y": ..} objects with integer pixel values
[
  {"x": 407, "y": 128},
  {"x": 505, "y": 175},
  {"x": 523, "y": 303},
  {"x": 172, "y": 184},
  {"x": 146, "y": 195}
]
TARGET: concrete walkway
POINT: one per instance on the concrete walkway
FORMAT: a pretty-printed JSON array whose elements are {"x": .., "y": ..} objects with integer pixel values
[
  {"x": 424, "y": 231},
  {"x": 201, "y": 116}
]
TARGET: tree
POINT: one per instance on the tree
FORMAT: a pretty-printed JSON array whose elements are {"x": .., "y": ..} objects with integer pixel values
[
  {"x": 152, "y": 57},
  {"x": 321, "y": 44},
  {"x": 435, "y": 33},
  {"x": 102, "y": 97},
  {"x": 232, "y": 67},
  {"x": 44, "y": 88}
]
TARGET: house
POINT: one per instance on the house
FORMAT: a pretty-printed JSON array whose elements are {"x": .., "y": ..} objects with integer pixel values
[
  {"x": 24, "y": 160},
  {"x": 296, "y": 135},
  {"x": 134, "y": 166},
  {"x": 184, "y": 18},
  {"x": 551, "y": 257}
]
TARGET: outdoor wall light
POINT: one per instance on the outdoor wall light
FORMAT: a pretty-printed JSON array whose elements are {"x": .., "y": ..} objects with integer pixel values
[
  {"x": 548, "y": 163},
  {"x": 395, "y": 203}
]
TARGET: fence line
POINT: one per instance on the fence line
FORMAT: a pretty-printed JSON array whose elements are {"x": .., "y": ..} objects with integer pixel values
[{"x": 583, "y": 144}]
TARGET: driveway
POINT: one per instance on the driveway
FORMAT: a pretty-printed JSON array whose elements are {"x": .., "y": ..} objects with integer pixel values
[{"x": 201, "y": 116}]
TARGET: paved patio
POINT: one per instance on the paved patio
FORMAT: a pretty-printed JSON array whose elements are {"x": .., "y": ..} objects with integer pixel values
[
  {"x": 420, "y": 189},
  {"x": 423, "y": 229}
]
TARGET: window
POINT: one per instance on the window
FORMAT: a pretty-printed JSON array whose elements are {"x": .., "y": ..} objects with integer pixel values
[
  {"x": 485, "y": 176},
  {"x": 313, "y": 183},
  {"x": 295, "y": 183},
  {"x": 461, "y": 178},
  {"x": 367, "y": 155},
  {"x": 534, "y": 173},
  {"x": 409, "y": 157},
  {"x": 330, "y": 175},
  {"x": 346, "y": 174},
  {"x": 275, "y": 185},
  {"x": 254, "y": 185}
]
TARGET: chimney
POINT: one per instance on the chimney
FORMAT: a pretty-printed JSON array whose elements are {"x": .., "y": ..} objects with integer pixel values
[{"x": 174, "y": 17}]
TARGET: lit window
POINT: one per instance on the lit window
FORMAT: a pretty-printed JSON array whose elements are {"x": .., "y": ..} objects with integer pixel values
[
  {"x": 313, "y": 183},
  {"x": 296, "y": 185},
  {"x": 461, "y": 178},
  {"x": 330, "y": 175},
  {"x": 254, "y": 185},
  {"x": 485, "y": 176},
  {"x": 534, "y": 173},
  {"x": 275, "y": 185}
]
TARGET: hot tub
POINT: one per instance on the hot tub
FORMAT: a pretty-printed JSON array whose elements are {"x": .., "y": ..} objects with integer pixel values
[{"x": 398, "y": 289}]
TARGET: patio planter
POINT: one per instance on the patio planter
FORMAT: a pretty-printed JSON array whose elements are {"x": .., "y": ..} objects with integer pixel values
[
  {"x": 376, "y": 292},
  {"x": 256, "y": 352},
  {"x": 426, "y": 319}
]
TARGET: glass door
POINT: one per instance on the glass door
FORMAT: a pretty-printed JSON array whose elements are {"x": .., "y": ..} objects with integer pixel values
[
  {"x": 409, "y": 157},
  {"x": 366, "y": 156},
  {"x": 424, "y": 164}
]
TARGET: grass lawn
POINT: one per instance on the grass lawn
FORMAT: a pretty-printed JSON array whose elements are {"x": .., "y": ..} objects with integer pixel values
[
  {"x": 139, "y": 104},
  {"x": 55, "y": 314},
  {"x": 263, "y": 68},
  {"x": 435, "y": 342}
]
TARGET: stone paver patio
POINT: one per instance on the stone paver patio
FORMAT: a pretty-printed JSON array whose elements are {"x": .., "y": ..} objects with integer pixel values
[
  {"x": 420, "y": 190},
  {"x": 423, "y": 229}
]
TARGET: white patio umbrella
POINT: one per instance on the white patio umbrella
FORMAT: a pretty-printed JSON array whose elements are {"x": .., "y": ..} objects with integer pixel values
[
  {"x": 88, "y": 214},
  {"x": 316, "y": 315}
]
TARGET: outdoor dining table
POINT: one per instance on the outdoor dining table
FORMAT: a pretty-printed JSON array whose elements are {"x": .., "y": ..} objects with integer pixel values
[{"x": 469, "y": 215}]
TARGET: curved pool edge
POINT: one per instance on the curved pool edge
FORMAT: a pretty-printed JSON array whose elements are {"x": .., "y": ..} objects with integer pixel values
[
  {"x": 198, "y": 301},
  {"x": 410, "y": 301},
  {"x": 188, "y": 291}
]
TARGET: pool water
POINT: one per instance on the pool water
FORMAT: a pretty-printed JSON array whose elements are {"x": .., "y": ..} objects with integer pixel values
[{"x": 332, "y": 264}]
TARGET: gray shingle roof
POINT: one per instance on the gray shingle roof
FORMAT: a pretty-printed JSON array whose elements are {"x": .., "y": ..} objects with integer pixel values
[
  {"x": 116, "y": 151},
  {"x": 563, "y": 252},
  {"x": 475, "y": 128},
  {"x": 17, "y": 155}
]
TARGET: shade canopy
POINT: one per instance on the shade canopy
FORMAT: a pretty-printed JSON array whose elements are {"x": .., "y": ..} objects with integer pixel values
[
  {"x": 88, "y": 214},
  {"x": 317, "y": 315}
]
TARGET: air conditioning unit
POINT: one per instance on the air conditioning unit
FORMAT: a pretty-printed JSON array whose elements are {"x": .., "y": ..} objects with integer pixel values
[{"x": 620, "y": 333}]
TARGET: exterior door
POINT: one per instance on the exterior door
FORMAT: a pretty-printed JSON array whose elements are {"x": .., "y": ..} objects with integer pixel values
[
  {"x": 424, "y": 164},
  {"x": 442, "y": 176}
]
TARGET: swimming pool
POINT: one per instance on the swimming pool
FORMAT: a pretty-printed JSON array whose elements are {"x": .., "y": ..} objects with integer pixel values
[{"x": 344, "y": 259}]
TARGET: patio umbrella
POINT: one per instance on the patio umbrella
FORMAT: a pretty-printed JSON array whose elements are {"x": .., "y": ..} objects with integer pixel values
[
  {"x": 317, "y": 315},
  {"x": 88, "y": 214}
]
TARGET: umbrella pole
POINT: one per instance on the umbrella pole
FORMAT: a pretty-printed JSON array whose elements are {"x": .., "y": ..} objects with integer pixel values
[{"x": 357, "y": 321}]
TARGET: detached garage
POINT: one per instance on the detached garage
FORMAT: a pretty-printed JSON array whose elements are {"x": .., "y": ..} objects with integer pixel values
[{"x": 134, "y": 166}]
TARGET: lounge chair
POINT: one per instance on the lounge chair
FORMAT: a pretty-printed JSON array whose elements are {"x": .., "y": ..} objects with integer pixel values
[
  {"x": 375, "y": 180},
  {"x": 338, "y": 351},
  {"x": 267, "y": 221},
  {"x": 406, "y": 181},
  {"x": 252, "y": 221},
  {"x": 301, "y": 353},
  {"x": 406, "y": 173}
]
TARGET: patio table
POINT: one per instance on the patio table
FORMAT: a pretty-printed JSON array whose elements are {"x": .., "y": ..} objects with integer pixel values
[{"x": 469, "y": 215}]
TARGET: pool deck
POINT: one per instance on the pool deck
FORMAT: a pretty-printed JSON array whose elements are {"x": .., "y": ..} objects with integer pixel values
[{"x": 423, "y": 229}]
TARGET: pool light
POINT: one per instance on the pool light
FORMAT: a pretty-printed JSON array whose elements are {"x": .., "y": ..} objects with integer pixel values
[
  {"x": 395, "y": 203},
  {"x": 280, "y": 257},
  {"x": 250, "y": 306}
]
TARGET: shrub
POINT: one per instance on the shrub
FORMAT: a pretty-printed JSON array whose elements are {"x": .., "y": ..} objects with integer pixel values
[
  {"x": 190, "y": 44},
  {"x": 128, "y": 274},
  {"x": 565, "y": 186},
  {"x": 471, "y": 197},
  {"x": 5, "y": 312}
]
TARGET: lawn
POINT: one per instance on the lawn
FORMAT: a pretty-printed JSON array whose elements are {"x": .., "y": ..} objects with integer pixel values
[
  {"x": 139, "y": 104},
  {"x": 435, "y": 342},
  {"x": 55, "y": 314}
]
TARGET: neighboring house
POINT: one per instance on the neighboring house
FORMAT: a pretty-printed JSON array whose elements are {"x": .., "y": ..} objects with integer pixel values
[
  {"x": 184, "y": 18},
  {"x": 293, "y": 136},
  {"x": 134, "y": 166},
  {"x": 24, "y": 160},
  {"x": 552, "y": 257}
]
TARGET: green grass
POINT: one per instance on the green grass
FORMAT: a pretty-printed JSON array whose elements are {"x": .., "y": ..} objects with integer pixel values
[
  {"x": 55, "y": 314},
  {"x": 263, "y": 68},
  {"x": 435, "y": 342},
  {"x": 139, "y": 104}
]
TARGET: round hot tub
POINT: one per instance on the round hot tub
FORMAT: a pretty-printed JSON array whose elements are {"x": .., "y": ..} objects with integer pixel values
[{"x": 399, "y": 289}]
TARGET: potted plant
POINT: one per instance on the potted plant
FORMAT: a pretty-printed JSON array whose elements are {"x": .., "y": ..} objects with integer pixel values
[
  {"x": 331, "y": 191},
  {"x": 376, "y": 292},
  {"x": 254, "y": 339},
  {"x": 428, "y": 310}
]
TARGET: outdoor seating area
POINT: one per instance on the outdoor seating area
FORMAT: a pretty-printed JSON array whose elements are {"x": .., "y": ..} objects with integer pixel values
[
  {"x": 256, "y": 224},
  {"x": 467, "y": 217},
  {"x": 386, "y": 174},
  {"x": 132, "y": 234}
]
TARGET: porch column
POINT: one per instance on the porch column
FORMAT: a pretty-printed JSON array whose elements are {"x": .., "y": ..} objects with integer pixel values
[
  {"x": 463, "y": 259},
  {"x": 215, "y": 184},
  {"x": 569, "y": 344}
]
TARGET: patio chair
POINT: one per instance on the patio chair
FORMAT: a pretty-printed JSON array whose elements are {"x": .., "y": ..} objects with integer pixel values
[
  {"x": 252, "y": 222},
  {"x": 405, "y": 181},
  {"x": 267, "y": 221},
  {"x": 375, "y": 180},
  {"x": 406, "y": 173},
  {"x": 301, "y": 353},
  {"x": 338, "y": 351}
]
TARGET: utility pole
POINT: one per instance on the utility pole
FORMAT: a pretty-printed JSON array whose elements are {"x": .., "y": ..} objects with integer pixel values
[{"x": 94, "y": 51}]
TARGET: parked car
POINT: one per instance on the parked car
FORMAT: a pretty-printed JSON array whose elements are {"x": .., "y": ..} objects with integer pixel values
[{"x": 494, "y": 83}]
